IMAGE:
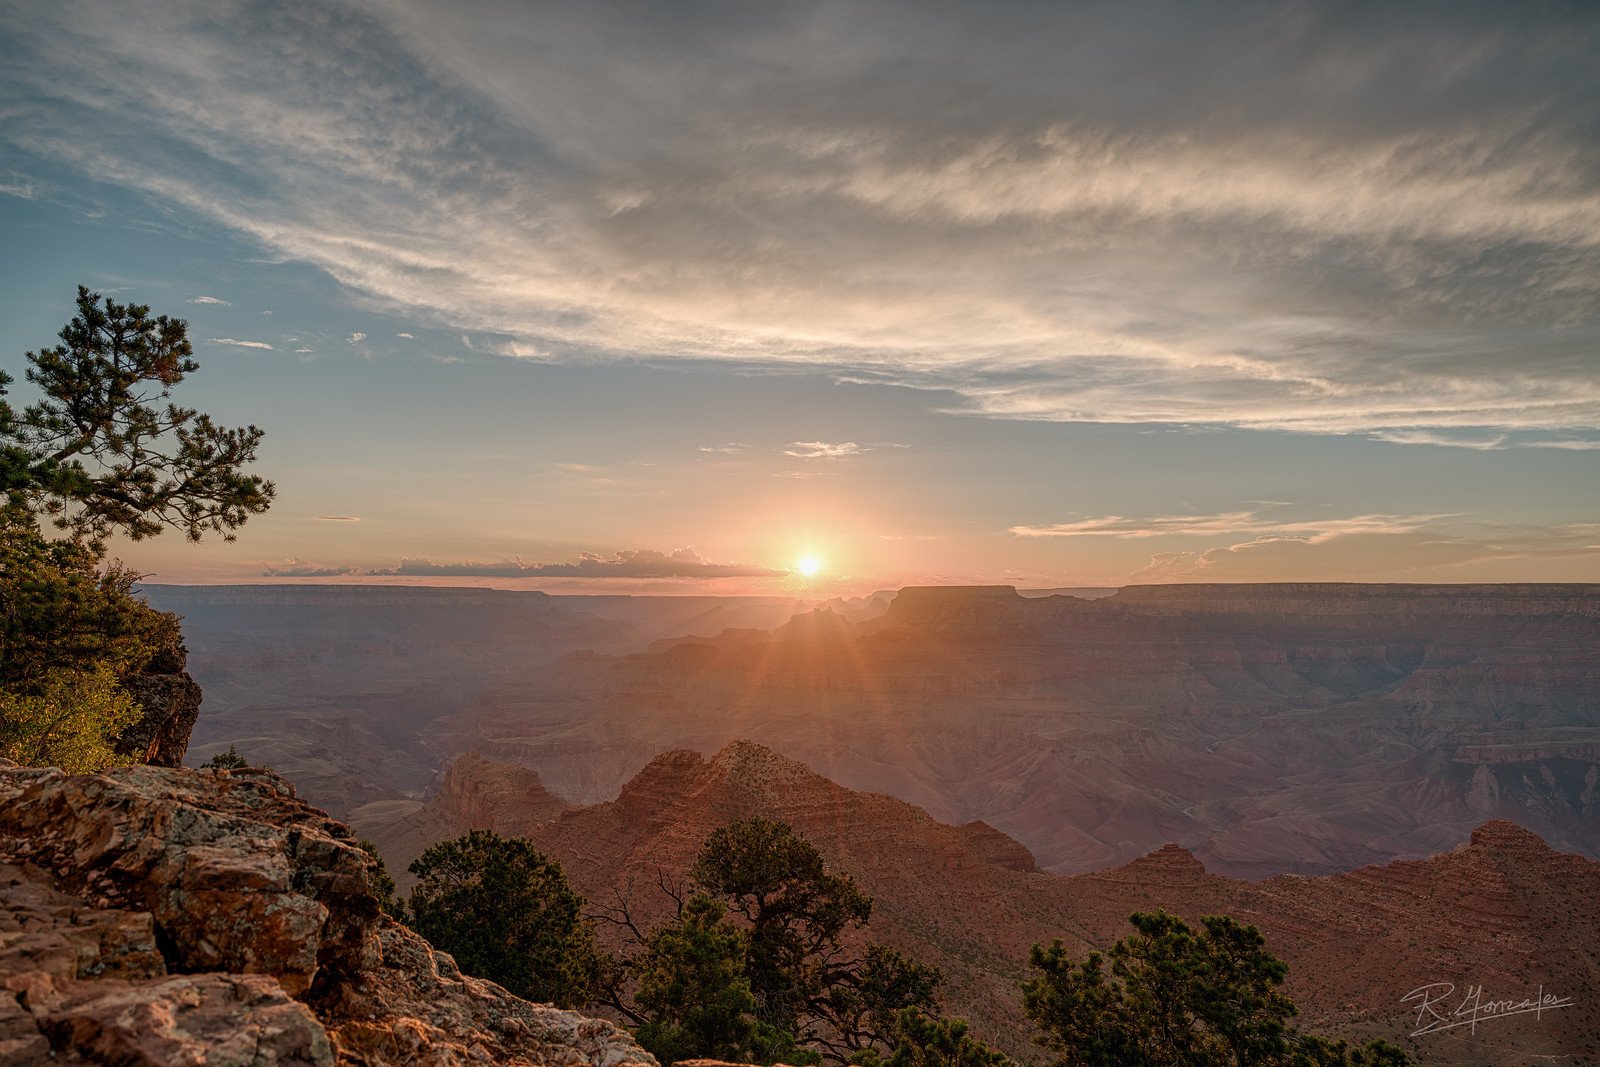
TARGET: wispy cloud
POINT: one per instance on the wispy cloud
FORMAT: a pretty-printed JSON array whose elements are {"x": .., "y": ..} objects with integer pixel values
[
  {"x": 1233, "y": 523},
  {"x": 1384, "y": 224},
  {"x": 300, "y": 568},
  {"x": 1422, "y": 554},
  {"x": 730, "y": 448},
  {"x": 823, "y": 449},
  {"x": 217, "y": 300},
  {"x": 639, "y": 563},
  {"x": 1567, "y": 446},
  {"x": 356, "y": 338},
  {"x": 241, "y": 344},
  {"x": 1484, "y": 441},
  {"x": 337, "y": 518},
  {"x": 406, "y": 336}
]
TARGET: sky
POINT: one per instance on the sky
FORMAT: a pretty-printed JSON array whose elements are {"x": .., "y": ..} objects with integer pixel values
[{"x": 668, "y": 298}]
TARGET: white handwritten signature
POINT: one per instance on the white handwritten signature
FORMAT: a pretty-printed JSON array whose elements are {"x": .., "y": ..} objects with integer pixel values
[{"x": 1434, "y": 1011}]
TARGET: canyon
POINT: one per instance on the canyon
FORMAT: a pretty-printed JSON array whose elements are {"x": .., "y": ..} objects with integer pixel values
[
  {"x": 1498, "y": 910},
  {"x": 1398, "y": 785},
  {"x": 336, "y": 686},
  {"x": 1267, "y": 728}
]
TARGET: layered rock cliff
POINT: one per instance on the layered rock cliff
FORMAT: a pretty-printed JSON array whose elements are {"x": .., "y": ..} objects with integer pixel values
[{"x": 152, "y": 916}]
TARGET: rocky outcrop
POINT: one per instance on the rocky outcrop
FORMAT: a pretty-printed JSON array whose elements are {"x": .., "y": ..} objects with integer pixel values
[
  {"x": 992, "y": 846},
  {"x": 169, "y": 702},
  {"x": 160, "y": 916}
]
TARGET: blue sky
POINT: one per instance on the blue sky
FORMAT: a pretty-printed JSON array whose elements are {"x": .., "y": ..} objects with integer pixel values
[{"x": 1040, "y": 294}]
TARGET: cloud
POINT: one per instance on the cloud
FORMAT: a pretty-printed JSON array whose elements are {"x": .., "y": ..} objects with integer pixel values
[
  {"x": 1342, "y": 219},
  {"x": 299, "y": 568},
  {"x": 823, "y": 450},
  {"x": 1483, "y": 441},
  {"x": 357, "y": 337},
  {"x": 406, "y": 336},
  {"x": 242, "y": 344},
  {"x": 641, "y": 563},
  {"x": 337, "y": 518},
  {"x": 730, "y": 448},
  {"x": 217, "y": 300},
  {"x": 1467, "y": 553},
  {"x": 1570, "y": 445},
  {"x": 1489, "y": 443},
  {"x": 20, "y": 190},
  {"x": 302, "y": 350},
  {"x": 1231, "y": 523}
]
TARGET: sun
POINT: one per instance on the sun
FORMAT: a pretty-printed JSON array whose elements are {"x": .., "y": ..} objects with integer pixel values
[{"x": 808, "y": 566}]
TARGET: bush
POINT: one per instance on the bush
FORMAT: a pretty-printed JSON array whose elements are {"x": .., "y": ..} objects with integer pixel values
[
  {"x": 754, "y": 968},
  {"x": 506, "y": 913},
  {"x": 921, "y": 1040},
  {"x": 232, "y": 761},
  {"x": 70, "y": 719},
  {"x": 70, "y": 634}
]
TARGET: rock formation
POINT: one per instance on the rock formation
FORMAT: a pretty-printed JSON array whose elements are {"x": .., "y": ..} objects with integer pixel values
[
  {"x": 161, "y": 917},
  {"x": 473, "y": 794},
  {"x": 169, "y": 702}
]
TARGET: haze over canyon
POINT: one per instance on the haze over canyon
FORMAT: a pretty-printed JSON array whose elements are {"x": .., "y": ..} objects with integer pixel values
[
  {"x": 1271, "y": 729},
  {"x": 960, "y": 749}
]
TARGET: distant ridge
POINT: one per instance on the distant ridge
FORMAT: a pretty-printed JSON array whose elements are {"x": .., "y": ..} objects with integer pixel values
[{"x": 1269, "y": 728}]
